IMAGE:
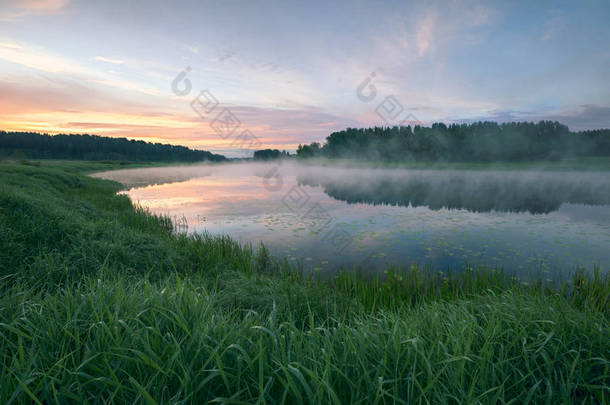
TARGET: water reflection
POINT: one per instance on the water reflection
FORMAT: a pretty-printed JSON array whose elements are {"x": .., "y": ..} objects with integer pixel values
[
  {"x": 519, "y": 220},
  {"x": 149, "y": 176},
  {"x": 507, "y": 191}
]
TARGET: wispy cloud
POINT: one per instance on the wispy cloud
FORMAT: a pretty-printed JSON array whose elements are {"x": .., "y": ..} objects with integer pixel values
[
  {"x": 71, "y": 106},
  {"x": 191, "y": 49},
  {"x": 108, "y": 60},
  {"x": 17, "y": 10},
  {"x": 425, "y": 33},
  {"x": 37, "y": 58},
  {"x": 587, "y": 116},
  {"x": 127, "y": 85},
  {"x": 10, "y": 46},
  {"x": 42, "y": 60},
  {"x": 578, "y": 118},
  {"x": 552, "y": 26},
  {"x": 43, "y": 5}
]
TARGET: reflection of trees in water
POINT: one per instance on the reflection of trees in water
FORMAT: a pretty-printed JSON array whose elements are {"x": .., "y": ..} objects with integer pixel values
[
  {"x": 134, "y": 178},
  {"x": 512, "y": 191}
]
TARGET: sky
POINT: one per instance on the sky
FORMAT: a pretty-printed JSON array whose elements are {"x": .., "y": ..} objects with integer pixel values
[{"x": 288, "y": 73}]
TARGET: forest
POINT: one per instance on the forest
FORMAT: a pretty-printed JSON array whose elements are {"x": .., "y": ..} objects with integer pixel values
[
  {"x": 270, "y": 154},
  {"x": 479, "y": 141},
  {"x": 24, "y": 145}
]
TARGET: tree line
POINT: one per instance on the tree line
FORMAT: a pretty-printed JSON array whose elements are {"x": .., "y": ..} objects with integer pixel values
[
  {"x": 479, "y": 141},
  {"x": 93, "y": 147},
  {"x": 270, "y": 154}
]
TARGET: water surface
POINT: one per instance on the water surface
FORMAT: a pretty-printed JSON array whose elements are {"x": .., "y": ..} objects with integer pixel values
[{"x": 323, "y": 218}]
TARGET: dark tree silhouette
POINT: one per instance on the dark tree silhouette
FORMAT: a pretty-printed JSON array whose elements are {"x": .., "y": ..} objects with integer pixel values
[
  {"x": 93, "y": 147},
  {"x": 480, "y": 141},
  {"x": 270, "y": 154}
]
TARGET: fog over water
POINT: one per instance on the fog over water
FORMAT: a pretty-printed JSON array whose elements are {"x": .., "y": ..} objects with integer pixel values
[{"x": 323, "y": 217}]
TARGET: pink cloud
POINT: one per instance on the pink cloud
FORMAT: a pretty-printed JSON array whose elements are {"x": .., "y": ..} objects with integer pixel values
[{"x": 43, "y": 5}]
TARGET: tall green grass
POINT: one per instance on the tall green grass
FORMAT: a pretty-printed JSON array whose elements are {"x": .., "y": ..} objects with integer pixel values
[
  {"x": 102, "y": 302},
  {"x": 398, "y": 287}
]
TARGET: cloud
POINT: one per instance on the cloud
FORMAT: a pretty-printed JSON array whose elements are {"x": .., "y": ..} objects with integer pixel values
[
  {"x": 223, "y": 55},
  {"x": 37, "y": 58},
  {"x": 42, "y": 60},
  {"x": 127, "y": 85},
  {"x": 583, "y": 117},
  {"x": 191, "y": 49},
  {"x": 108, "y": 60},
  {"x": 10, "y": 46},
  {"x": 586, "y": 116},
  {"x": 16, "y": 10},
  {"x": 25, "y": 94},
  {"x": 57, "y": 104},
  {"x": 553, "y": 25},
  {"x": 328, "y": 124},
  {"x": 425, "y": 33},
  {"x": 43, "y": 5}
]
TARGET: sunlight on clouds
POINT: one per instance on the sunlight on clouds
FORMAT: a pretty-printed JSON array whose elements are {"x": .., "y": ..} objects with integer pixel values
[
  {"x": 37, "y": 58},
  {"x": 108, "y": 60},
  {"x": 18, "y": 10},
  {"x": 43, "y": 5},
  {"x": 126, "y": 85},
  {"x": 10, "y": 45},
  {"x": 59, "y": 121},
  {"x": 425, "y": 33},
  {"x": 443, "y": 62}
]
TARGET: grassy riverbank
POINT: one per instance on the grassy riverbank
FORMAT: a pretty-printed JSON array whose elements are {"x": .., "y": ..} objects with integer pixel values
[{"x": 103, "y": 302}]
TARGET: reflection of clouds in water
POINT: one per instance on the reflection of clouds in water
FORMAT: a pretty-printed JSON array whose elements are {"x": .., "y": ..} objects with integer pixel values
[
  {"x": 396, "y": 214},
  {"x": 156, "y": 175},
  {"x": 479, "y": 191},
  {"x": 578, "y": 212}
]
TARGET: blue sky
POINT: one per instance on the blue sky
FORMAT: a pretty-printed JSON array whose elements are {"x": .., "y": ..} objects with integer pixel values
[{"x": 289, "y": 71}]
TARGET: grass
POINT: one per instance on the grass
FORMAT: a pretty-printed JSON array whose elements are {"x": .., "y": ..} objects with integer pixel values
[
  {"x": 86, "y": 166},
  {"x": 102, "y": 302}
]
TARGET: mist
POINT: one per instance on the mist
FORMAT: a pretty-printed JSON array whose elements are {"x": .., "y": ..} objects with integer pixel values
[
  {"x": 476, "y": 142},
  {"x": 397, "y": 216},
  {"x": 533, "y": 191}
]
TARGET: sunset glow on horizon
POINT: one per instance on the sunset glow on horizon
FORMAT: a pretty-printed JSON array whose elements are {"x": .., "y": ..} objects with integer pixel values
[{"x": 292, "y": 74}]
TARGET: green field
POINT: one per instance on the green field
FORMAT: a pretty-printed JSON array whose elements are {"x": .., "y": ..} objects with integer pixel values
[{"x": 103, "y": 302}]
